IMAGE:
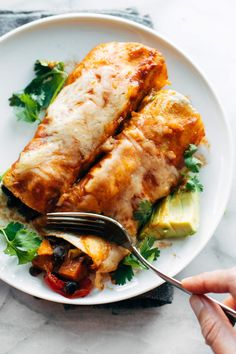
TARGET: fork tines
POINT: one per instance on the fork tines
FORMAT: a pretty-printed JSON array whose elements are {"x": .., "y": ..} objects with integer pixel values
[{"x": 85, "y": 223}]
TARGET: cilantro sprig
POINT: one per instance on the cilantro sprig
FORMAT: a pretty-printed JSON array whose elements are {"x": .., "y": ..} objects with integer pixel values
[
  {"x": 20, "y": 242},
  {"x": 123, "y": 274},
  {"x": 147, "y": 250},
  {"x": 143, "y": 212},
  {"x": 191, "y": 162},
  {"x": 192, "y": 149},
  {"x": 193, "y": 184},
  {"x": 125, "y": 270},
  {"x": 31, "y": 103},
  {"x": 193, "y": 165}
]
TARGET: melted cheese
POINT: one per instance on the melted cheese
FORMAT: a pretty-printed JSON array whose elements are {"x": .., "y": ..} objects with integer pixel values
[
  {"x": 176, "y": 98},
  {"x": 144, "y": 163},
  {"x": 100, "y": 93},
  {"x": 76, "y": 106}
]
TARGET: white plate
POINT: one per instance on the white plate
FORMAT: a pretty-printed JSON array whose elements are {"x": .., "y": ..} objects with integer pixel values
[{"x": 70, "y": 37}]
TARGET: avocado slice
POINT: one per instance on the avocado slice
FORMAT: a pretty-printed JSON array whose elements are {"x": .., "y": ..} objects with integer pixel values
[{"x": 175, "y": 216}]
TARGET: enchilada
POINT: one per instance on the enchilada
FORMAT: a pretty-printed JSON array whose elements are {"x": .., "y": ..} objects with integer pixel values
[
  {"x": 99, "y": 94},
  {"x": 144, "y": 164}
]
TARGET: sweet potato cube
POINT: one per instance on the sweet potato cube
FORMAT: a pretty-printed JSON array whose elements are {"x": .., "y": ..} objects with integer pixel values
[
  {"x": 45, "y": 248},
  {"x": 44, "y": 262},
  {"x": 73, "y": 269}
]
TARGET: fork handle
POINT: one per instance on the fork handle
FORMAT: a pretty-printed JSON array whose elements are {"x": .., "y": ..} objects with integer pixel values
[{"x": 230, "y": 313}]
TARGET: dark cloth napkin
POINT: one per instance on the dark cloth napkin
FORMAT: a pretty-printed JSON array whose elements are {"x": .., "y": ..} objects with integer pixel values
[{"x": 9, "y": 20}]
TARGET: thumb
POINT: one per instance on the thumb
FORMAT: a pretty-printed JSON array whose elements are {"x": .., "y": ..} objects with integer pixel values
[{"x": 216, "y": 328}]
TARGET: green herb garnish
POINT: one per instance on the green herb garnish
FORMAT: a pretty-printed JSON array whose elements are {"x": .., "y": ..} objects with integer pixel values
[
  {"x": 21, "y": 242},
  {"x": 190, "y": 150},
  {"x": 143, "y": 213},
  {"x": 191, "y": 162},
  {"x": 125, "y": 271},
  {"x": 27, "y": 108},
  {"x": 193, "y": 165},
  {"x": 123, "y": 274},
  {"x": 31, "y": 103},
  {"x": 147, "y": 250},
  {"x": 193, "y": 184}
]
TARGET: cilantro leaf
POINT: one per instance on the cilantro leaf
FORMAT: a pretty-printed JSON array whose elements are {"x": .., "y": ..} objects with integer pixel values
[
  {"x": 191, "y": 162},
  {"x": 190, "y": 151},
  {"x": 21, "y": 242},
  {"x": 132, "y": 261},
  {"x": 122, "y": 274},
  {"x": 15, "y": 100},
  {"x": 11, "y": 230},
  {"x": 28, "y": 108},
  {"x": 125, "y": 272},
  {"x": 193, "y": 165},
  {"x": 42, "y": 67},
  {"x": 148, "y": 251},
  {"x": 31, "y": 103},
  {"x": 193, "y": 184},
  {"x": 143, "y": 213}
]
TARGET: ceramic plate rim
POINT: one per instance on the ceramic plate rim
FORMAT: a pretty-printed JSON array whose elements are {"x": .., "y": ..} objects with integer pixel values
[{"x": 142, "y": 28}]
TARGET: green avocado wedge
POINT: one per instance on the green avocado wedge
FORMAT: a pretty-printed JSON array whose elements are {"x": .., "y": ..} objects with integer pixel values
[{"x": 175, "y": 216}]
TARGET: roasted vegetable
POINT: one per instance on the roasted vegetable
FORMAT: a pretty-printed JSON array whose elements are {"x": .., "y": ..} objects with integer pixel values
[
  {"x": 45, "y": 263},
  {"x": 84, "y": 287},
  {"x": 73, "y": 269},
  {"x": 45, "y": 248}
]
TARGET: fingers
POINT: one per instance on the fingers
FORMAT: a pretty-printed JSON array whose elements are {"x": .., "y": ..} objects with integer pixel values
[
  {"x": 216, "y": 329},
  {"x": 219, "y": 281},
  {"x": 231, "y": 302},
  {"x": 215, "y": 326}
]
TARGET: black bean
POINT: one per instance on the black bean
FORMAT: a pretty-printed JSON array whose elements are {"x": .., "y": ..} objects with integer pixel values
[
  {"x": 59, "y": 253},
  {"x": 35, "y": 271},
  {"x": 70, "y": 287}
]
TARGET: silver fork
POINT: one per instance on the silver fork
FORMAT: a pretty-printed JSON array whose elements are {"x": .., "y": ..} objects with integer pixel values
[{"x": 113, "y": 231}]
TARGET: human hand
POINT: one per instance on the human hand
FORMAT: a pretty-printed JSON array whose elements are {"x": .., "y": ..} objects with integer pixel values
[{"x": 216, "y": 328}]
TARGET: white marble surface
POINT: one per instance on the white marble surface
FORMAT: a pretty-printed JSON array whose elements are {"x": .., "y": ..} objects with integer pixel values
[{"x": 205, "y": 29}]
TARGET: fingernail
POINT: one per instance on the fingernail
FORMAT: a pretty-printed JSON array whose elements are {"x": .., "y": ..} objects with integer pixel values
[{"x": 196, "y": 304}]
